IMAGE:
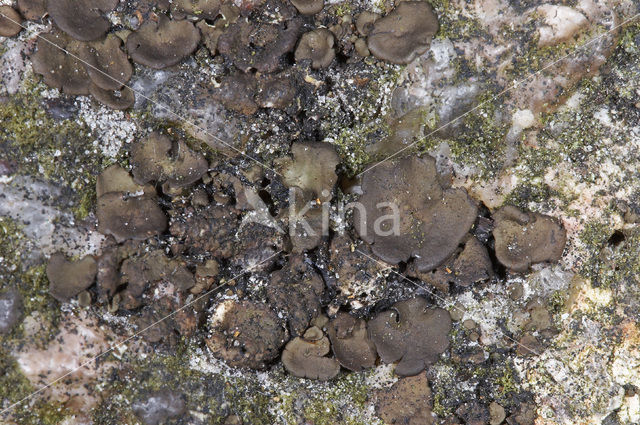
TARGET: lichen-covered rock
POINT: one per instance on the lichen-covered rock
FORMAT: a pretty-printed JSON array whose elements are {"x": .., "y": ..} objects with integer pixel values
[
  {"x": 163, "y": 43},
  {"x": 118, "y": 99},
  {"x": 308, "y": 7},
  {"x": 296, "y": 290},
  {"x": 156, "y": 407},
  {"x": 11, "y": 309},
  {"x": 10, "y": 21},
  {"x": 312, "y": 168},
  {"x": 156, "y": 159},
  {"x": 525, "y": 238},
  {"x": 200, "y": 9},
  {"x": 68, "y": 278},
  {"x": 32, "y": 10},
  {"x": 316, "y": 46},
  {"x": 212, "y": 230},
  {"x": 406, "y": 213},
  {"x": 260, "y": 45},
  {"x": 106, "y": 63},
  {"x": 138, "y": 273},
  {"x": 408, "y": 401},
  {"x": 59, "y": 69},
  {"x": 468, "y": 265},
  {"x": 130, "y": 217},
  {"x": 404, "y": 33},
  {"x": 246, "y": 334},
  {"x": 350, "y": 342},
  {"x": 365, "y": 21},
  {"x": 412, "y": 334},
  {"x": 304, "y": 357},
  {"x": 83, "y": 20}
]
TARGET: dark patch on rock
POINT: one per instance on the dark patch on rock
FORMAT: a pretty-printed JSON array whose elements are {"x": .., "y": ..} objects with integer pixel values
[
  {"x": 407, "y": 213},
  {"x": 408, "y": 402},
  {"x": 68, "y": 278},
  {"x": 276, "y": 91},
  {"x": 403, "y": 34},
  {"x": 32, "y": 10},
  {"x": 473, "y": 413},
  {"x": 83, "y": 20},
  {"x": 410, "y": 333},
  {"x": 119, "y": 99},
  {"x": 58, "y": 68},
  {"x": 525, "y": 238},
  {"x": 246, "y": 334},
  {"x": 350, "y": 342},
  {"x": 106, "y": 63},
  {"x": 353, "y": 272},
  {"x": 212, "y": 230},
  {"x": 157, "y": 158},
  {"x": 199, "y": 9},
  {"x": 129, "y": 217},
  {"x": 163, "y": 43},
  {"x": 237, "y": 92},
  {"x": 260, "y": 46},
  {"x": 158, "y": 406},
  {"x": 296, "y": 289},
  {"x": 316, "y": 46},
  {"x": 525, "y": 415},
  {"x": 10, "y": 21},
  {"x": 11, "y": 309},
  {"x": 305, "y": 357},
  {"x": 308, "y": 7},
  {"x": 61, "y": 108}
]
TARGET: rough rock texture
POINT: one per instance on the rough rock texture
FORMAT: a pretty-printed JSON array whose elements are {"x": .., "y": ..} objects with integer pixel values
[
  {"x": 531, "y": 104},
  {"x": 11, "y": 308}
]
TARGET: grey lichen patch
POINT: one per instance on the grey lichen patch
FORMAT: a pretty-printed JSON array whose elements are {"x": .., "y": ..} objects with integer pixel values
[
  {"x": 29, "y": 279},
  {"x": 16, "y": 273},
  {"x": 60, "y": 151}
]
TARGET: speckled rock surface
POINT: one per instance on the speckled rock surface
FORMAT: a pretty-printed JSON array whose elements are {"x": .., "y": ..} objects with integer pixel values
[{"x": 529, "y": 105}]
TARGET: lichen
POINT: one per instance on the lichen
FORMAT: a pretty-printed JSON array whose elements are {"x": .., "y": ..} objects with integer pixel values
[
  {"x": 58, "y": 151},
  {"x": 369, "y": 120},
  {"x": 30, "y": 280}
]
